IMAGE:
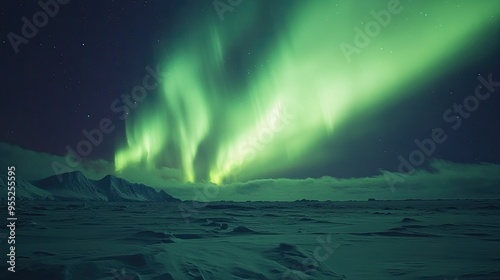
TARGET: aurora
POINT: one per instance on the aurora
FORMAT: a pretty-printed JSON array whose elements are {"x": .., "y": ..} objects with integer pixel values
[{"x": 225, "y": 114}]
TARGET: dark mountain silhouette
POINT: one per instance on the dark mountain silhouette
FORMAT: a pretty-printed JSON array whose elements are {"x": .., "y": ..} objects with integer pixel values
[{"x": 75, "y": 186}]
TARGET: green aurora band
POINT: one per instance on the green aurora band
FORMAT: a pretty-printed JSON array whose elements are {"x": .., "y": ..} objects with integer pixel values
[{"x": 297, "y": 90}]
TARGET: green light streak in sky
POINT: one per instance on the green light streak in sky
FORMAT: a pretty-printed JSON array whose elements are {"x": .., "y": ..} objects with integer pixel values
[{"x": 207, "y": 116}]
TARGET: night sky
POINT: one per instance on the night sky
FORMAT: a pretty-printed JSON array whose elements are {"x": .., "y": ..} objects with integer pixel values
[{"x": 229, "y": 92}]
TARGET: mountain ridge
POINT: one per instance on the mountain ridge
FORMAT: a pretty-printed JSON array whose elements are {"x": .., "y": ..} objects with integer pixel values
[{"x": 75, "y": 186}]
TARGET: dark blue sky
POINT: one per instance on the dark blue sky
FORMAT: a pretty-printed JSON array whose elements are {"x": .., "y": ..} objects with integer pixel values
[{"x": 91, "y": 52}]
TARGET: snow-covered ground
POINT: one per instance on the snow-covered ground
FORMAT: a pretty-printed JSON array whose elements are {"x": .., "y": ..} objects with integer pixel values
[
  {"x": 25, "y": 190},
  {"x": 299, "y": 240}
]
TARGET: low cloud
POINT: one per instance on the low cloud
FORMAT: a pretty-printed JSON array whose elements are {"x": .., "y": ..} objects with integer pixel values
[{"x": 443, "y": 179}]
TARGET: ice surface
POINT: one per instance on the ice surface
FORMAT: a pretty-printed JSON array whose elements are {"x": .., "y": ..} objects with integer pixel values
[{"x": 260, "y": 240}]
